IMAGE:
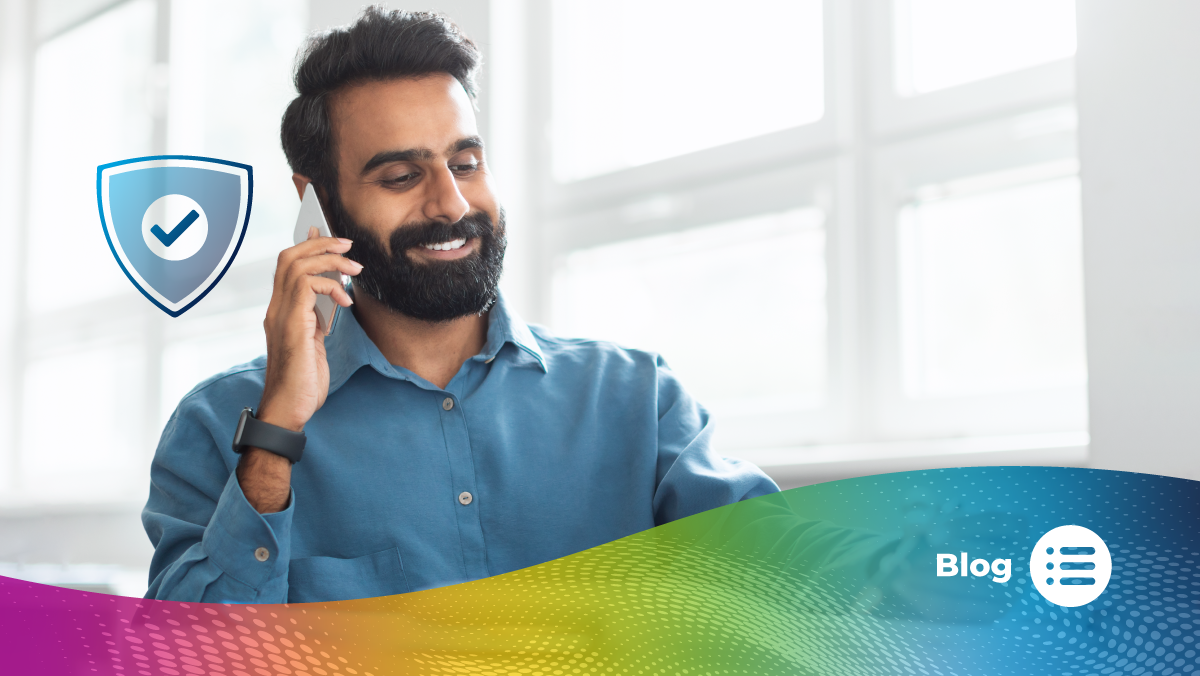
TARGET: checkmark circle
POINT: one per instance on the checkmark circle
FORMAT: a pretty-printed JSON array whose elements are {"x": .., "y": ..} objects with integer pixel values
[{"x": 174, "y": 227}]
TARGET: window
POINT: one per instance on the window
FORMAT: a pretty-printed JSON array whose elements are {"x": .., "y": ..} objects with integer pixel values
[
  {"x": 67, "y": 146},
  {"x": 101, "y": 387},
  {"x": 869, "y": 242},
  {"x": 946, "y": 43},
  {"x": 716, "y": 299},
  {"x": 211, "y": 80},
  {"x": 991, "y": 285},
  {"x": 635, "y": 81},
  {"x": 232, "y": 61},
  {"x": 977, "y": 301}
]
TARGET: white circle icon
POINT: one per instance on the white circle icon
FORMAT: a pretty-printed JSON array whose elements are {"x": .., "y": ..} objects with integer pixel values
[
  {"x": 1070, "y": 566},
  {"x": 174, "y": 227}
]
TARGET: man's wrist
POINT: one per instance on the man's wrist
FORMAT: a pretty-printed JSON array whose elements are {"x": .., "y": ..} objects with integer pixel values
[
  {"x": 256, "y": 433},
  {"x": 265, "y": 479},
  {"x": 274, "y": 416}
]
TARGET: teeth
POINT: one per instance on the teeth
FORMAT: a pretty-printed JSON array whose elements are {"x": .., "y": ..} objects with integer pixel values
[{"x": 446, "y": 246}]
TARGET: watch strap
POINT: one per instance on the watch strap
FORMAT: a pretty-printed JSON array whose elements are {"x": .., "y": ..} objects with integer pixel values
[{"x": 252, "y": 432}]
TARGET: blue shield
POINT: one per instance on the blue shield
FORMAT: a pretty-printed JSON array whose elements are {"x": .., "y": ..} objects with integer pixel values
[{"x": 174, "y": 223}]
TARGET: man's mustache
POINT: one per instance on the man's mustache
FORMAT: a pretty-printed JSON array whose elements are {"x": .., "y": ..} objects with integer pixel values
[{"x": 475, "y": 224}]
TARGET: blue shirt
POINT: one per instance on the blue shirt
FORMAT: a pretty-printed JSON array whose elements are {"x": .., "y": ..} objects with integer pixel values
[{"x": 539, "y": 447}]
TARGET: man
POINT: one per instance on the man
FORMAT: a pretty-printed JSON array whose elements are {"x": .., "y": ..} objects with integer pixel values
[{"x": 444, "y": 439}]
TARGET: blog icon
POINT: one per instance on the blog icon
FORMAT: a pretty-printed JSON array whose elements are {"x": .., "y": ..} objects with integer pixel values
[{"x": 1070, "y": 566}]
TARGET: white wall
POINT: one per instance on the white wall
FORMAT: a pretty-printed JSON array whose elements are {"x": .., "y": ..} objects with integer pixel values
[
  {"x": 15, "y": 23},
  {"x": 1139, "y": 138}
]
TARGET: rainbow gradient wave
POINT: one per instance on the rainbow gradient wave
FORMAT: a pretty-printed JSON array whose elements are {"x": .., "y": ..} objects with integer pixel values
[{"x": 836, "y": 578}]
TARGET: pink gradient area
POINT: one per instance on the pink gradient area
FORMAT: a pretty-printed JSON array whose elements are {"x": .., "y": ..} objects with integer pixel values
[{"x": 50, "y": 630}]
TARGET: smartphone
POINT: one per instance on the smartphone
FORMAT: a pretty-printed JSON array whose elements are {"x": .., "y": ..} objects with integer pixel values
[{"x": 311, "y": 216}]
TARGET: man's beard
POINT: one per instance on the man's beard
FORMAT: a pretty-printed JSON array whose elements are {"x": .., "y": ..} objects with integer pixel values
[{"x": 431, "y": 290}]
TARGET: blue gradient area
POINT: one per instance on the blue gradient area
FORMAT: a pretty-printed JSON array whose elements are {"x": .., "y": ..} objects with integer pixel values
[
  {"x": 132, "y": 192},
  {"x": 1147, "y": 621}
]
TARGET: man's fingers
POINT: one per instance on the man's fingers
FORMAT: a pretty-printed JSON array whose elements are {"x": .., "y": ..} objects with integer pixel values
[
  {"x": 325, "y": 286},
  {"x": 298, "y": 280},
  {"x": 311, "y": 247},
  {"x": 315, "y": 247},
  {"x": 315, "y": 265}
]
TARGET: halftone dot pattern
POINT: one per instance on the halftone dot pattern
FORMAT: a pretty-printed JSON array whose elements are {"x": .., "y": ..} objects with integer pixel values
[
  {"x": 116, "y": 635},
  {"x": 767, "y": 586}
]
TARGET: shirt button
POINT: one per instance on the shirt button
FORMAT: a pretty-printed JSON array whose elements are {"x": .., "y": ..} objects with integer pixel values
[
  {"x": 262, "y": 554},
  {"x": 447, "y": 403},
  {"x": 465, "y": 498}
]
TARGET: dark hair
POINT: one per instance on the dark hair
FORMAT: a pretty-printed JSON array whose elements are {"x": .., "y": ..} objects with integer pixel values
[{"x": 380, "y": 45}]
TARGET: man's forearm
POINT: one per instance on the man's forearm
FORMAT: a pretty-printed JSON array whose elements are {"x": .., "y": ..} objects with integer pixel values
[{"x": 266, "y": 480}]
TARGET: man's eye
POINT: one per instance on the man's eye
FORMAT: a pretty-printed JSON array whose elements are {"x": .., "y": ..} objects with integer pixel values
[
  {"x": 400, "y": 180},
  {"x": 464, "y": 168}
]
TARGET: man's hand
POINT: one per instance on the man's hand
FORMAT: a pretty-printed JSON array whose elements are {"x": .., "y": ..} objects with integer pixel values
[{"x": 297, "y": 379}]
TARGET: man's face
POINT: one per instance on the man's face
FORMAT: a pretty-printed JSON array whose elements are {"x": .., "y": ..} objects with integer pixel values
[{"x": 415, "y": 195}]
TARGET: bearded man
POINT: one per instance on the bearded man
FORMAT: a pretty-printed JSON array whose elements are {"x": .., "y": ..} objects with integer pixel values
[{"x": 432, "y": 437}]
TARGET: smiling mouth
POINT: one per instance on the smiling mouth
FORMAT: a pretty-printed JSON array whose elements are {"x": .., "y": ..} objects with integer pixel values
[{"x": 447, "y": 246}]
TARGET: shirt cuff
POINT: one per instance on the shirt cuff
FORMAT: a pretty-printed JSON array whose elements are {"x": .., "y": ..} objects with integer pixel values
[{"x": 250, "y": 547}]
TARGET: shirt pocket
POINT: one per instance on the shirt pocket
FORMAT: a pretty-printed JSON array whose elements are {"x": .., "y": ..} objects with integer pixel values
[{"x": 327, "y": 578}]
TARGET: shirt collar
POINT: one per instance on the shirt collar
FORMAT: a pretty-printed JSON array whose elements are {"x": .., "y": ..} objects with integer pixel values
[
  {"x": 505, "y": 326},
  {"x": 348, "y": 348}
]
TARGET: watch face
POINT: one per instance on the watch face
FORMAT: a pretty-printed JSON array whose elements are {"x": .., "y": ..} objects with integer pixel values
[{"x": 237, "y": 434}]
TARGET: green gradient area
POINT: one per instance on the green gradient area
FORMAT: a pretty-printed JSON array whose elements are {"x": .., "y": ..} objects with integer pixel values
[{"x": 752, "y": 588}]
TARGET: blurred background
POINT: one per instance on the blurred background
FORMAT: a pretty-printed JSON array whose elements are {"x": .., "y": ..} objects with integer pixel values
[{"x": 869, "y": 235}]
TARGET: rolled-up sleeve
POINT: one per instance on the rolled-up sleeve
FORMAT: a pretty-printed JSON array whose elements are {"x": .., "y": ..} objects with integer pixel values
[
  {"x": 210, "y": 544},
  {"x": 691, "y": 477}
]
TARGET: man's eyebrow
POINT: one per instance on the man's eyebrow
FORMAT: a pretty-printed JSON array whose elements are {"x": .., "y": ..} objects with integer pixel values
[
  {"x": 387, "y": 156},
  {"x": 465, "y": 143},
  {"x": 414, "y": 154}
]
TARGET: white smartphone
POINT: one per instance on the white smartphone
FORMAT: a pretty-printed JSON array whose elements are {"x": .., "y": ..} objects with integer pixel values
[{"x": 312, "y": 216}]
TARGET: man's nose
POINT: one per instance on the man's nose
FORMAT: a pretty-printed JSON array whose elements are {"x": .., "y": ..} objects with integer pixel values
[{"x": 444, "y": 201}]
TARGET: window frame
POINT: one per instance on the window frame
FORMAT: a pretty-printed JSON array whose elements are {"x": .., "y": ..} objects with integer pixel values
[
  {"x": 900, "y": 169},
  {"x": 858, "y": 147},
  {"x": 787, "y": 169},
  {"x": 892, "y": 114},
  {"x": 116, "y": 320},
  {"x": 124, "y": 318}
]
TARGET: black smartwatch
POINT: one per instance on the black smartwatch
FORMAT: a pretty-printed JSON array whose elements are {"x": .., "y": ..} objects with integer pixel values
[{"x": 253, "y": 432}]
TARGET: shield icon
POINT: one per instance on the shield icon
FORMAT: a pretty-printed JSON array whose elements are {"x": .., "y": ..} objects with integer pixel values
[{"x": 174, "y": 223}]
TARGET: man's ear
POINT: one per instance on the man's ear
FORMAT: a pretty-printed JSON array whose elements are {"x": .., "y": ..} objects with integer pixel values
[{"x": 300, "y": 181}]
